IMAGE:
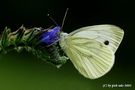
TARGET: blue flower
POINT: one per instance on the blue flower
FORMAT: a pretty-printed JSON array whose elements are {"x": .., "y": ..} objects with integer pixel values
[{"x": 50, "y": 36}]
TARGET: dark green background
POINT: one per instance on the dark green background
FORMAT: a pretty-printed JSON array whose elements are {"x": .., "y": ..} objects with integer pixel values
[{"x": 23, "y": 71}]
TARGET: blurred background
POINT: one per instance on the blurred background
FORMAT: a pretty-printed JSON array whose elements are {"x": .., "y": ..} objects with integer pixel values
[{"x": 23, "y": 71}]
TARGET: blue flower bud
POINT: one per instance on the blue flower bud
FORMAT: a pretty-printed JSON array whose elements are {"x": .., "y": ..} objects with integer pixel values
[{"x": 50, "y": 36}]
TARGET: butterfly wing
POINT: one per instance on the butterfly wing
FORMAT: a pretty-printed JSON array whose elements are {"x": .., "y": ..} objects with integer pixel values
[
  {"x": 102, "y": 33},
  {"x": 88, "y": 52}
]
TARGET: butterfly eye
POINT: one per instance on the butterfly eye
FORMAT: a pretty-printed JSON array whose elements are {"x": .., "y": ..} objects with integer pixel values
[{"x": 106, "y": 42}]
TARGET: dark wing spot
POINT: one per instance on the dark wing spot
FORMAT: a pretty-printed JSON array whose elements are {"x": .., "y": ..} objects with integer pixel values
[{"x": 106, "y": 42}]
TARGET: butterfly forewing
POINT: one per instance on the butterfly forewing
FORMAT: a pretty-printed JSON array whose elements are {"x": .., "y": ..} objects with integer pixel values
[{"x": 102, "y": 33}]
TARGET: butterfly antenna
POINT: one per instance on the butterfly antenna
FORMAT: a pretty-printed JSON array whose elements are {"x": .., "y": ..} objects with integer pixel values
[
  {"x": 52, "y": 19},
  {"x": 63, "y": 21}
]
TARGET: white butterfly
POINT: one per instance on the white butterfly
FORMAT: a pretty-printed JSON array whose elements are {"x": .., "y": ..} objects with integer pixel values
[{"x": 92, "y": 49}]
